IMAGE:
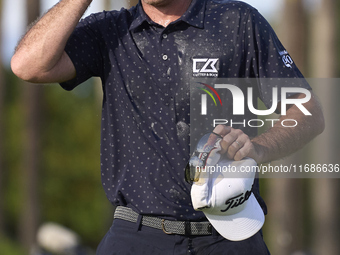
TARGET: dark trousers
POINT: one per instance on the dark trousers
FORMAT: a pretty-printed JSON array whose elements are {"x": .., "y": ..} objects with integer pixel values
[{"x": 125, "y": 238}]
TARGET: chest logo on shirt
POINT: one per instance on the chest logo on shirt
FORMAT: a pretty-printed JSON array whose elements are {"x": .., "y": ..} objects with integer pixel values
[{"x": 205, "y": 67}]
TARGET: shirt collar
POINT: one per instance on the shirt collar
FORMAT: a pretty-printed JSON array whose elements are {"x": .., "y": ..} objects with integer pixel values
[{"x": 194, "y": 16}]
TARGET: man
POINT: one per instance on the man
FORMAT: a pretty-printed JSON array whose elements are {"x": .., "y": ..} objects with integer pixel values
[{"x": 144, "y": 57}]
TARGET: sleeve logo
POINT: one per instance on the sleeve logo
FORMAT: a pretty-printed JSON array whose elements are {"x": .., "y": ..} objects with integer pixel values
[{"x": 286, "y": 59}]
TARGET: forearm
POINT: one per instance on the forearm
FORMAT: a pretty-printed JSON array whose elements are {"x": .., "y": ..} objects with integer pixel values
[
  {"x": 279, "y": 141},
  {"x": 42, "y": 47}
]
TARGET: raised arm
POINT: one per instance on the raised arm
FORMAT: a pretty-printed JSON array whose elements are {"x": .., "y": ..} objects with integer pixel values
[{"x": 40, "y": 55}]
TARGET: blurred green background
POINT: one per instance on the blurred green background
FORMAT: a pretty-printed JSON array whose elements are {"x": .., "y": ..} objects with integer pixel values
[{"x": 49, "y": 147}]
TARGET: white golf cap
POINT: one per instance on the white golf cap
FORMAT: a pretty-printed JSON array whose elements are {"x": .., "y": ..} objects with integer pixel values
[{"x": 227, "y": 200}]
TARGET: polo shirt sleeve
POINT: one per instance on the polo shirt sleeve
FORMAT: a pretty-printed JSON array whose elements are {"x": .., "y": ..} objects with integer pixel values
[
  {"x": 84, "y": 49},
  {"x": 267, "y": 58}
]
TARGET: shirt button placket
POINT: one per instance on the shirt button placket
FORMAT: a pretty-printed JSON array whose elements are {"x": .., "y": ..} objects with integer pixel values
[{"x": 165, "y": 56}]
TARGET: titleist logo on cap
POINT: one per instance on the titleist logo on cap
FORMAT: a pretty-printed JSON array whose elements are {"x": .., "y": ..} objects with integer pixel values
[{"x": 237, "y": 200}]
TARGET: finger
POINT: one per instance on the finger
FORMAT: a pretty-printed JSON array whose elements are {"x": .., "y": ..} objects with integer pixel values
[
  {"x": 222, "y": 130},
  {"x": 228, "y": 141},
  {"x": 234, "y": 148},
  {"x": 243, "y": 151},
  {"x": 240, "y": 146}
]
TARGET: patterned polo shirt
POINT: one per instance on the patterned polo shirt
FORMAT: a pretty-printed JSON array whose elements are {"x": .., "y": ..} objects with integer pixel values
[{"x": 146, "y": 71}]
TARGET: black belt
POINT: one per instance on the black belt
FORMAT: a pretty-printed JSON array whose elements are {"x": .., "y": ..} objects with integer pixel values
[{"x": 169, "y": 227}]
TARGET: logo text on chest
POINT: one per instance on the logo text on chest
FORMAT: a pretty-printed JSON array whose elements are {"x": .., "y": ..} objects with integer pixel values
[{"x": 205, "y": 67}]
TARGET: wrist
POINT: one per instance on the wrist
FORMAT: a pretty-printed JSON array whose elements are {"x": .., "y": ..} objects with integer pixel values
[{"x": 259, "y": 153}]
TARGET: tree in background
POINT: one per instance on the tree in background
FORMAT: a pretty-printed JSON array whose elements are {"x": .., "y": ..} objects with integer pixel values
[
  {"x": 132, "y": 2},
  {"x": 2, "y": 112},
  {"x": 325, "y": 192},
  {"x": 108, "y": 3},
  {"x": 286, "y": 196},
  {"x": 32, "y": 114},
  {"x": 305, "y": 213}
]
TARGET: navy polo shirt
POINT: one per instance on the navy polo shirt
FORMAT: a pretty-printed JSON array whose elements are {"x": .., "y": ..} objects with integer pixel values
[{"x": 146, "y": 71}]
